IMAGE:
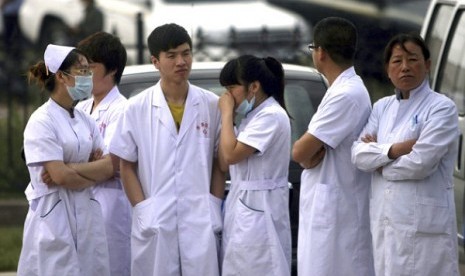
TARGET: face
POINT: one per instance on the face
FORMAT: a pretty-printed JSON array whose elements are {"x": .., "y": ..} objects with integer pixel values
[
  {"x": 175, "y": 64},
  {"x": 80, "y": 68},
  {"x": 314, "y": 52},
  {"x": 240, "y": 93},
  {"x": 103, "y": 80},
  {"x": 407, "y": 70}
]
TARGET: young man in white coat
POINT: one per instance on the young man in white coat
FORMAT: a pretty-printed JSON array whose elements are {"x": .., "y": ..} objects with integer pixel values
[
  {"x": 107, "y": 59},
  {"x": 167, "y": 141},
  {"x": 334, "y": 232}
]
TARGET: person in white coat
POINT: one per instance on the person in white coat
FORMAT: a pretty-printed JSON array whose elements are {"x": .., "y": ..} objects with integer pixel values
[
  {"x": 256, "y": 233},
  {"x": 167, "y": 138},
  {"x": 107, "y": 59},
  {"x": 334, "y": 231},
  {"x": 410, "y": 146},
  {"x": 64, "y": 233}
]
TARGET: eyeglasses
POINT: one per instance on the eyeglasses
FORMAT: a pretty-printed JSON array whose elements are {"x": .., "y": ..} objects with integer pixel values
[
  {"x": 80, "y": 72},
  {"x": 312, "y": 47}
]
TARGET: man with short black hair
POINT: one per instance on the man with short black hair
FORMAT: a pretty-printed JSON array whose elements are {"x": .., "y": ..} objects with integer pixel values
[
  {"x": 334, "y": 228},
  {"x": 167, "y": 140}
]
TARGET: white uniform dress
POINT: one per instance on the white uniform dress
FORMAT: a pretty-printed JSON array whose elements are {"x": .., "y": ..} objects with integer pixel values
[
  {"x": 64, "y": 233},
  {"x": 412, "y": 202},
  {"x": 257, "y": 234},
  {"x": 334, "y": 233},
  {"x": 115, "y": 206},
  {"x": 172, "y": 229}
]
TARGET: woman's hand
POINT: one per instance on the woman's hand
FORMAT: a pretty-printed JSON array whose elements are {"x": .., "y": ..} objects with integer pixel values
[
  {"x": 96, "y": 155},
  {"x": 226, "y": 103}
]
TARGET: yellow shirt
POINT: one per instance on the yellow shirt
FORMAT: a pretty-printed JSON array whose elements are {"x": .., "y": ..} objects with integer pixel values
[{"x": 177, "y": 111}]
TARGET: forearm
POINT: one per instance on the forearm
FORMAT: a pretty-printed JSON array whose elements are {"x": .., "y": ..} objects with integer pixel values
[
  {"x": 66, "y": 177},
  {"x": 305, "y": 149},
  {"x": 228, "y": 140},
  {"x": 131, "y": 183},
  {"x": 370, "y": 156},
  {"x": 98, "y": 171},
  {"x": 218, "y": 180}
]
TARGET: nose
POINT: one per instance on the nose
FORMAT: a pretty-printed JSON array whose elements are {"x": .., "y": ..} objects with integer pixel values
[
  {"x": 405, "y": 65},
  {"x": 180, "y": 60}
]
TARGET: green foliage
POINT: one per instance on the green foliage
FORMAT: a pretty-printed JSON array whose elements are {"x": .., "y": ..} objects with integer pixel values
[
  {"x": 10, "y": 247},
  {"x": 14, "y": 175}
]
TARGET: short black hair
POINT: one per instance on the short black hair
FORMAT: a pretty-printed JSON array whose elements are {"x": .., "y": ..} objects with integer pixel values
[
  {"x": 167, "y": 36},
  {"x": 338, "y": 37},
  {"x": 107, "y": 49}
]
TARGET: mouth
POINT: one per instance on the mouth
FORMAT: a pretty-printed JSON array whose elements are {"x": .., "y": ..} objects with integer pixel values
[{"x": 406, "y": 77}]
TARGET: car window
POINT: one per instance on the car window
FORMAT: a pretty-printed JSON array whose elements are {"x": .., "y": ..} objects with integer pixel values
[
  {"x": 300, "y": 108},
  {"x": 451, "y": 77},
  {"x": 436, "y": 35}
]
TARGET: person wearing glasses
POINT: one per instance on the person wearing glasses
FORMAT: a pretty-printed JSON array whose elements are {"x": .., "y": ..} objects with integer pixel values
[
  {"x": 334, "y": 229},
  {"x": 410, "y": 145},
  {"x": 107, "y": 59},
  {"x": 64, "y": 231}
]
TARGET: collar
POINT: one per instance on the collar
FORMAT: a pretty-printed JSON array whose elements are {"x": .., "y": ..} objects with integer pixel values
[{"x": 414, "y": 92}]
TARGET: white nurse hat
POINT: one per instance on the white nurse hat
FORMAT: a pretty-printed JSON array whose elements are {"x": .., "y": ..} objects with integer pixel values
[{"x": 55, "y": 55}]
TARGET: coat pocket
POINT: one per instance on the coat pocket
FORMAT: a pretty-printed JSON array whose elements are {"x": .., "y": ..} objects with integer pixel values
[
  {"x": 250, "y": 247},
  {"x": 144, "y": 218},
  {"x": 432, "y": 215},
  {"x": 325, "y": 205}
]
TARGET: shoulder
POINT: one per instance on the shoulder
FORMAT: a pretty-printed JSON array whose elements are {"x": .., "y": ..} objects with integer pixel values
[
  {"x": 141, "y": 98},
  {"x": 204, "y": 93}
]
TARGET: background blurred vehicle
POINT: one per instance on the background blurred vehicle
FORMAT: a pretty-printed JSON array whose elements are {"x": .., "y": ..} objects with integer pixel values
[
  {"x": 444, "y": 32},
  {"x": 304, "y": 90},
  {"x": 219, "y": 29},
  {"x": 376, "y": 20}
]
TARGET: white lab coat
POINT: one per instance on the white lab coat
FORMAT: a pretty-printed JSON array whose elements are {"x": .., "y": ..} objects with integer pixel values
[
  {"x": 172, "y": 229},
  {"x": 334, "y": 234},
  {"x": 412, "y": 202},
  {"x": 257, "y": 234},
  {"x": 64, "y": 232},
  {"x": 115, "y": 206}
]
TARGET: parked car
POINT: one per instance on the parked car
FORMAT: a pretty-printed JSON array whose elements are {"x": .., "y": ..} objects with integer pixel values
[
  {"x": 219, "y": 29},
  {"x": 444, "y": 32},
  {"x": 376, "y": 20},
  {"x": 304, "y": 90}
]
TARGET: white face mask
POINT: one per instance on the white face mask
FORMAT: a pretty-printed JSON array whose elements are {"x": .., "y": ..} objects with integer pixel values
[
  {"x": 245, "y": 107},
  {"x": 82, "y": 88}
]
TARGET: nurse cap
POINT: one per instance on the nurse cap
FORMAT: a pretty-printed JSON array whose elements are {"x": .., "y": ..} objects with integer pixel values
[{"x": 55, "y": 55}]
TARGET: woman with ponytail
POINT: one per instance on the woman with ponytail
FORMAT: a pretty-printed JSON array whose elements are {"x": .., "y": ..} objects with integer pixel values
[{"x": 256, "y": 234}]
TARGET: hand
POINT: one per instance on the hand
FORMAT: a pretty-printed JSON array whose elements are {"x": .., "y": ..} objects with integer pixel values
[
  {"x": 47, "y": 179},
  {"x": 315, "y": 160},
  {"x": 226, "y": 102},
  {"x": 369, "y": 138},
  {"x": 96, "y": 155}
]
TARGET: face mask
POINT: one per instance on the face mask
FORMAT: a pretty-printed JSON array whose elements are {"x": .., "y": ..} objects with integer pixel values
[
  {"x": 82, "y": 88},
  {"x": 245, "y": 107}
]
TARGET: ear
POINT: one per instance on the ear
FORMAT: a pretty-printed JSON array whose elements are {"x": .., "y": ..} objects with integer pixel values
[
  {"x": 428, "y": 65},
  {"x": 59, "y": 76},
  {"x": 155, "y": 62},
  {"x": 255, "y": 86}
]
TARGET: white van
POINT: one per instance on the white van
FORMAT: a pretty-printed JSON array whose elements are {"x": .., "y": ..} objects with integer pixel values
[{"x": 444, "y": 32}]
